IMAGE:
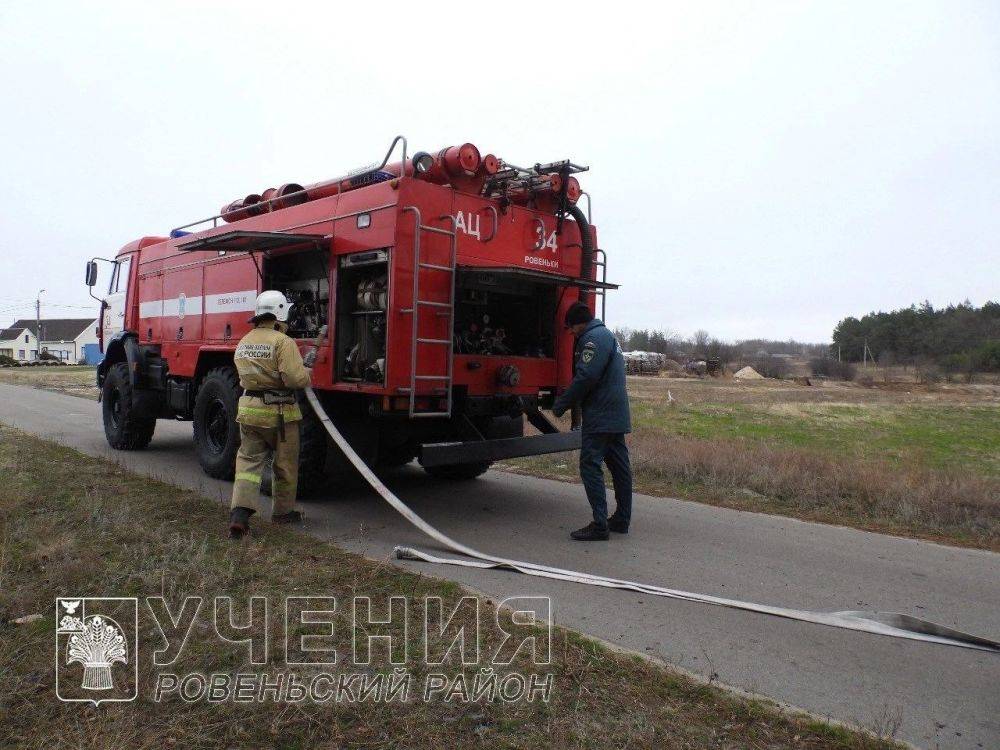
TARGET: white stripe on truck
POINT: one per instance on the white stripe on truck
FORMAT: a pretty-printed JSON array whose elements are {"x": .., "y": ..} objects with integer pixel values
[
  {"x": 173, "y": 307},
  {"x": 152, "y": 309},
  {"x": 235, "y": 301}
]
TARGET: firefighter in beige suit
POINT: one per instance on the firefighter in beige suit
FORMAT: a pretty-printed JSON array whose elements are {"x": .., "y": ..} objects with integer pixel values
[{"x": 271, "y": 370}]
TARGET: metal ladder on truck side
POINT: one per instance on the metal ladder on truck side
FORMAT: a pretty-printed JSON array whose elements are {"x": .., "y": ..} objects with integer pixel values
[
  {"x": 601, "y": 262},
  {"x": 442, "y": 309}
]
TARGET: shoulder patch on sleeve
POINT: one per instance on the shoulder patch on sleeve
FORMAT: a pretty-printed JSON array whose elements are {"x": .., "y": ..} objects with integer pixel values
[
  {"x": 587, "y": 355},
  {"x": 590, "y": 345}
]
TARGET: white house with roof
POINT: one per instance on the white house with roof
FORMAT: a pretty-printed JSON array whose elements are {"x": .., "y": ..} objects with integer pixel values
[
  {"x": 19, "y": 343},
  {"x": 63, "y": 338}
]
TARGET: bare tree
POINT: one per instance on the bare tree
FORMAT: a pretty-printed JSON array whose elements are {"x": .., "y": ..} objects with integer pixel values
[{"x": 701, "y": 339}]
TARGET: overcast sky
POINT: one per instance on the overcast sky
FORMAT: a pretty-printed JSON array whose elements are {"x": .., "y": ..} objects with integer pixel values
[{"x": 758, "y": 169}]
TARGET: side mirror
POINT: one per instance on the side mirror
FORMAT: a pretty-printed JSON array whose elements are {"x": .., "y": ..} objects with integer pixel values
[{"x": 91, "y": 273}]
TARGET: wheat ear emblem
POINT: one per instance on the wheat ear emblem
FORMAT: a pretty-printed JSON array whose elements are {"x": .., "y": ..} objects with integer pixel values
[{"x": 99, "y": 646}]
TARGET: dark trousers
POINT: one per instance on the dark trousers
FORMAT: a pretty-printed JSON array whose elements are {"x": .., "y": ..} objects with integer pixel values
[{"x": 609, "y": 448}]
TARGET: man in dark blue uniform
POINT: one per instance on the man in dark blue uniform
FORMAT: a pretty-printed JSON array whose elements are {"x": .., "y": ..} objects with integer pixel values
[{"x": 599, "y": 388}]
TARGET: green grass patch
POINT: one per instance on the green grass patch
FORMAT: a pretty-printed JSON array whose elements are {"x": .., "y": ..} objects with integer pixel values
[
  {"x": 946, "y": 436},
  {"x": 885, "y": 494}
]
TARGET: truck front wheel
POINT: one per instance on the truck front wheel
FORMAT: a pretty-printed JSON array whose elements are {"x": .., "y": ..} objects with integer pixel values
[
  {"x": 124, "y": 428},
  {"x": 216, "y": 434}
]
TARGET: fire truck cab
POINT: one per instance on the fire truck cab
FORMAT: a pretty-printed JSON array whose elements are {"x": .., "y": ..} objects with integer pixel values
[{"x": 442, "y": 280}]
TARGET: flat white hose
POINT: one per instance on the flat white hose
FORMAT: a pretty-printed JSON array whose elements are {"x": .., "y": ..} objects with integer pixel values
[{"x": 881, "y": 623}]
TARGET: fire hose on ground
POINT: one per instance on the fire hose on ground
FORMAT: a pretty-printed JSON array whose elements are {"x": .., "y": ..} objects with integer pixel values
[{"x": 881, "y": 623}]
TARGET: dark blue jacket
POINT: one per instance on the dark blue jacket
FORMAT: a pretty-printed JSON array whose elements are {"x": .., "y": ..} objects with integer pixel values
[{"x": 598, "y": 382}]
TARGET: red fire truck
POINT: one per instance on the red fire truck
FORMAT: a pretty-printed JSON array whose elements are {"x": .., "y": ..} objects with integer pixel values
[{"x": 443, "y": 279}]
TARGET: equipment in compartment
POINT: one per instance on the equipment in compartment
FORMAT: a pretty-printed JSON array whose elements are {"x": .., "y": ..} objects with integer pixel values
[
  {"x": 363, "y": 294},
  {"x": 495, "y": 316},
  {"x": 480, "y": 337},
  {"x": 305, "y": 319},
  {"x": 302, "y": 278},
  {"x": 372, "y": 293}
]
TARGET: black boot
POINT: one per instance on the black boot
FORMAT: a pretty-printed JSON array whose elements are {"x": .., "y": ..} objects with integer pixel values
[
  {"x": 591, "y": 533},
  {"x": 239, "y": 522},
  {"x": 617, "y": 524},
  {"x": 292, "y": 516}
]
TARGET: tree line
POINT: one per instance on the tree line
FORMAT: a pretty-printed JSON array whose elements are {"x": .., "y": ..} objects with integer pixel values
[
  {"x": 957, "y": 337},
  {"x": 702, "y": 344}
]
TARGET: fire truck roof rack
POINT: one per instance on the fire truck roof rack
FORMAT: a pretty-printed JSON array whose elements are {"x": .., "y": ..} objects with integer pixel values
[
  {"x": 564, "y": 166},
  {"x": 266, "y": 205},
  {"x": 550, "y": 168}
]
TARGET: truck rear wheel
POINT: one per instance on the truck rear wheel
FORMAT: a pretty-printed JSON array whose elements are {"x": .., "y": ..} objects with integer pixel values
[
  {"x": 312, "y": 450},
  {"x": 395, "y": 456},
  {"x": 124, "y": 428},
  {"x": 491, "y": 429},
  {"x": 216, "y": 434},
  {"x": 458, "y": 472}
]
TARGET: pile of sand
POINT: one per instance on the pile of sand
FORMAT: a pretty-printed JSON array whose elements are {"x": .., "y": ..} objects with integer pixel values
[{"x": 748, "y": 373}]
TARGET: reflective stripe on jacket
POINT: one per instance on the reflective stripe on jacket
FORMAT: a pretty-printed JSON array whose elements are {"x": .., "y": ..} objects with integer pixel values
[{"x": 266, "y": 359}]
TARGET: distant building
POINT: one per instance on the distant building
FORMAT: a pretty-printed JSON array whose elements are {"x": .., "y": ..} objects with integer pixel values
[
  {"x": 63, "y": 338},
  {"x": 18, "y": 342}
]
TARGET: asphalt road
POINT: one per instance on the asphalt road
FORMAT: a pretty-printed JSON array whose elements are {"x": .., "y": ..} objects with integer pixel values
[{"x": 941, "y": 696}]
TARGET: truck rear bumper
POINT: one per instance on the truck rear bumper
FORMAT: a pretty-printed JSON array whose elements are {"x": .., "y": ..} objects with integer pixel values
[{"x": 477, "y": 451}]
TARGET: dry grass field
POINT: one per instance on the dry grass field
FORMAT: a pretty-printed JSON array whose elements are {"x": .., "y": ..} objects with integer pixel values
[
  {"x": 895, "y": 457},
  {"x": 71, "y": 379},
  {"x": 71, "y": 524}
]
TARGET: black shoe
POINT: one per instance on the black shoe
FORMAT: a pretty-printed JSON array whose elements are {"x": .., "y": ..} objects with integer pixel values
[
  {"x": 239, "y": 522},
  {"x": 591, "y": 533},
  {"x": 617, "y": 524},
  {"x": 292, "y": 516}
]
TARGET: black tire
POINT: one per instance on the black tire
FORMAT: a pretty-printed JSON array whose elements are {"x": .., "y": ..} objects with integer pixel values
[
  {"x": 459, "y": 472},
  {"x": 124, "y": 428},
  {"x": 216, "y": 433},
  {"x": 498, "y": 427},
  {"x": 312, "y": 454},
  {"x": 395, "y": 456},
  {"x": 312, "y": 451}
]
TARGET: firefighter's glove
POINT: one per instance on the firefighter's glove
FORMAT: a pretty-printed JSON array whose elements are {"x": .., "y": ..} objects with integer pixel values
[
  {"x": 310, "y": 359},
  {"x": 558, "y": 410}
]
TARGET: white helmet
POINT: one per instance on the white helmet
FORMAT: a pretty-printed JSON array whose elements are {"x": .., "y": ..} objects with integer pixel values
[{"x": 272, "y": 303}]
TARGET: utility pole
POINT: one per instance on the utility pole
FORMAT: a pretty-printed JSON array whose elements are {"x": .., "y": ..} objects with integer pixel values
[
  {"x": 38, "y": 324},
  {"x": 867, "y": 354}
]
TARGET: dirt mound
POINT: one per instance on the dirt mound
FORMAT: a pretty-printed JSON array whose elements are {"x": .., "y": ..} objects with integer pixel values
[{"x": 748, "y": 373}]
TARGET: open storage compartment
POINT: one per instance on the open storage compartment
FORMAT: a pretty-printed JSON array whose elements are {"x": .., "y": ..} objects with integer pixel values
[
  {"x": 362, "y": 299},
  {"x": 504, "y": 314},
  {"x": 302, "y": 275}
]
